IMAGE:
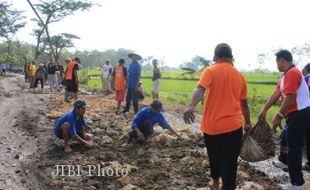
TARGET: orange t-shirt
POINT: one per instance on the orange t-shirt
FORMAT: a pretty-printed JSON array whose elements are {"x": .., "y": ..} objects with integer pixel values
[
  {"x": 225, "y": 87},
  {"x": 70, "y": 70},
  {"x": 120, "y": 81}
]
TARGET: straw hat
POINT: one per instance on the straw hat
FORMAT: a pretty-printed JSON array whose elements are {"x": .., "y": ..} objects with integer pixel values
[{"x": 134, "y": 56}]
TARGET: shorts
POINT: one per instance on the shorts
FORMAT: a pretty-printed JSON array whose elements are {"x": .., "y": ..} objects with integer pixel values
[
  {"x": 3, "y": 70},
  {"x": 155, "y": 86},
  {"x": 120, "y": 95},
  {"x": 58, "y": 133},
  {"x": 72, "y": 86}
]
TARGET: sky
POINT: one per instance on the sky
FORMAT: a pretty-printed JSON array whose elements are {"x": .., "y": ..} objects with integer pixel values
[{"x": 174, "y": 31}]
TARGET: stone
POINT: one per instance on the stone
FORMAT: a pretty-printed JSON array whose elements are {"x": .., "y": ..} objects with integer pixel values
[
  {"x": 205, "y": 163},
  {"x": 89, "y": 121},
  {"x": 105, "y": 140},
  {"x": 130, "y": 168},
  {"x": 164, "y": 139},
  {"x": 112, "y": 132},
  {"x": 130, "y": 187}
]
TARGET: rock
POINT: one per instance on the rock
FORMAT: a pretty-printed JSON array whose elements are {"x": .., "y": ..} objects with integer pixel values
[
  {"x": 115, "y": 164},
  {"x": 54, "y": 115},
  {"x": 164, "y": 139},
  {"x": 130, "y": 168},
  {"x": 16, "y": 156},
  {"x": 89, "y": 121},
  {"x": 130, "y": 187},
  {"x": 95, "y": 118},
  {"x": 105, "y": 140},
  {"x": 205, "y": 163},
  {"x": 184, "y": 136},
  {"x": 112, "y": 132},
  {"x": 96, "y": 124},
  {"x": 124, "y": 180},
  {"x": 250, "y": 185},
  {"x": 96, "y": 130},
  {"x": 243, "y": 176}
]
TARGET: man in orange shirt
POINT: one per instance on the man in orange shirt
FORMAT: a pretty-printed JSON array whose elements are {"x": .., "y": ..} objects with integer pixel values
[
  {"x": 120, "y": 78},
  {"x": 72, "y": 80},
  {"x": 294, "y": 93},
  {"x": 225, "y": 104}
]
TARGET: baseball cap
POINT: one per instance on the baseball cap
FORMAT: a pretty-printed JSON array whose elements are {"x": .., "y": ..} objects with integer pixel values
[{"x": 80, "y": 104}]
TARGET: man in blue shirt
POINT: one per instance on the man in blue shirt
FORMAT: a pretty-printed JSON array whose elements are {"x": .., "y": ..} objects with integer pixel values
[
  {"x": 142, "y": 125},
  {"x": 72, "y": 125},
  {"x": 134, "y": 73},
  {"x": 3, "y": 69}
]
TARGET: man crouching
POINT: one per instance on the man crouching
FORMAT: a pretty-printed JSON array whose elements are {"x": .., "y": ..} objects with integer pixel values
[
  {"x": 72, "y": 125},
  {"x": 142, "y": 125}
]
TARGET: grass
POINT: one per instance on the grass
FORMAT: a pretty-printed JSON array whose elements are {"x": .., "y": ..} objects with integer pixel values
[{"x": 179, "y": 92}]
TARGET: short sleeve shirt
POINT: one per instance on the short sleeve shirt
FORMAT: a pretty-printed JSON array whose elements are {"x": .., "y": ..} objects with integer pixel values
[{"x": 225, "y": 88}]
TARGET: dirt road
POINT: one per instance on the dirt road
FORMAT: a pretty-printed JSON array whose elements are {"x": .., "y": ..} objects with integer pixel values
[
  {"x": 30, "y": 154},
  {"x": 18, "y": 117}
]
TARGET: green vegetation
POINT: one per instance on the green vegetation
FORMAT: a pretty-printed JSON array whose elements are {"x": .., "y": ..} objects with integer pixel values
[{"x": 178, "y": 92}]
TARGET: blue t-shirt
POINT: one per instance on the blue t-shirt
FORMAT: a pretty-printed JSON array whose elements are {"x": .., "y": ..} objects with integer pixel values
[
  {"x": 134, "y": 72},
  {"x": 146, "y": 115},
  {"x": 3, "y": 66},
  {"x": 75, "y": 124},
  {"x": 307, "y": 78}
]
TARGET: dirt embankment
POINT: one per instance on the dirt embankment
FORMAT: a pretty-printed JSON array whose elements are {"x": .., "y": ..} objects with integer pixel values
[{"x": 163, "y": 162}]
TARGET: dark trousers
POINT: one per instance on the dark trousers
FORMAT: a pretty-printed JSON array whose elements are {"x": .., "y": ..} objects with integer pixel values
[
  {"x": 146, "y": 128},
  {"x": 308, "y": 145},
  {"x": 36, "y": 82},
  {"x": 283, "y": 146},
  {"x": 132, "y": 96},
  {"x": 297, "y": 125},
  {"x": 223, "y": 151}
]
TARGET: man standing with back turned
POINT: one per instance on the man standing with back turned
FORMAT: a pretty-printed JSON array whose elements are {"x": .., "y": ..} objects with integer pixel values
[{"x": 225, "y": 103}]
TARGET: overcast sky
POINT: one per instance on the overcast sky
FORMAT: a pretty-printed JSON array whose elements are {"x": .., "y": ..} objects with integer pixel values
[{"x": 176, "y": 30}]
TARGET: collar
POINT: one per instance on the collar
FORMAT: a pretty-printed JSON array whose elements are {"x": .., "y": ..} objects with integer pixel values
[
  {"x": 224, "y": 61},
  {"x": 288, "y": 69}
]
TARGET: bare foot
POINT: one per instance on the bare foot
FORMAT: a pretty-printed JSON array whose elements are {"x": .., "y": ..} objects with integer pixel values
[
  {"x": 215, "y": 186},
  {"x": 68, "y": 149}
]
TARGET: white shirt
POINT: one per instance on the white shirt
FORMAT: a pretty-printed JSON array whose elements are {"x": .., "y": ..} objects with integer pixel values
[{"x": 106, "y": 71}]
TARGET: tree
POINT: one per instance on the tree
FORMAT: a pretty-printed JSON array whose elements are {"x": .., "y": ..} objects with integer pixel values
[
  {"x": 11, "y": 21},
  {"x": 55, "y": 11},
  {"x": 197, "y": 64},
  {"x": 38, "y": 33},
  {"x": 60, "y": 43},
  {"x": 302, "y": 52}
]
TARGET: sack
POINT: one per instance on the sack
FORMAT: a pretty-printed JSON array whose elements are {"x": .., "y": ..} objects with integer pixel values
[
  {"x": 250, "y": 150},
  {"x": 258, "y": 144}
]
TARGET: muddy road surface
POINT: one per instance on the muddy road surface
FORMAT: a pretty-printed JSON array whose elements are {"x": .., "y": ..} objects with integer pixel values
[{"x": 31, "y": 157}]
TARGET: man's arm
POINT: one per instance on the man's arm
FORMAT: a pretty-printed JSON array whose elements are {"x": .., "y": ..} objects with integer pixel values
[
  {"x": 134, "y": 125},
  {"x": 271, "y": 101},
  {"x": 284, "y": 107},
  {"x": 246, "y": 113},
  {"x": 198, "y": 94},
  {"x": 174, "y": 132}
]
